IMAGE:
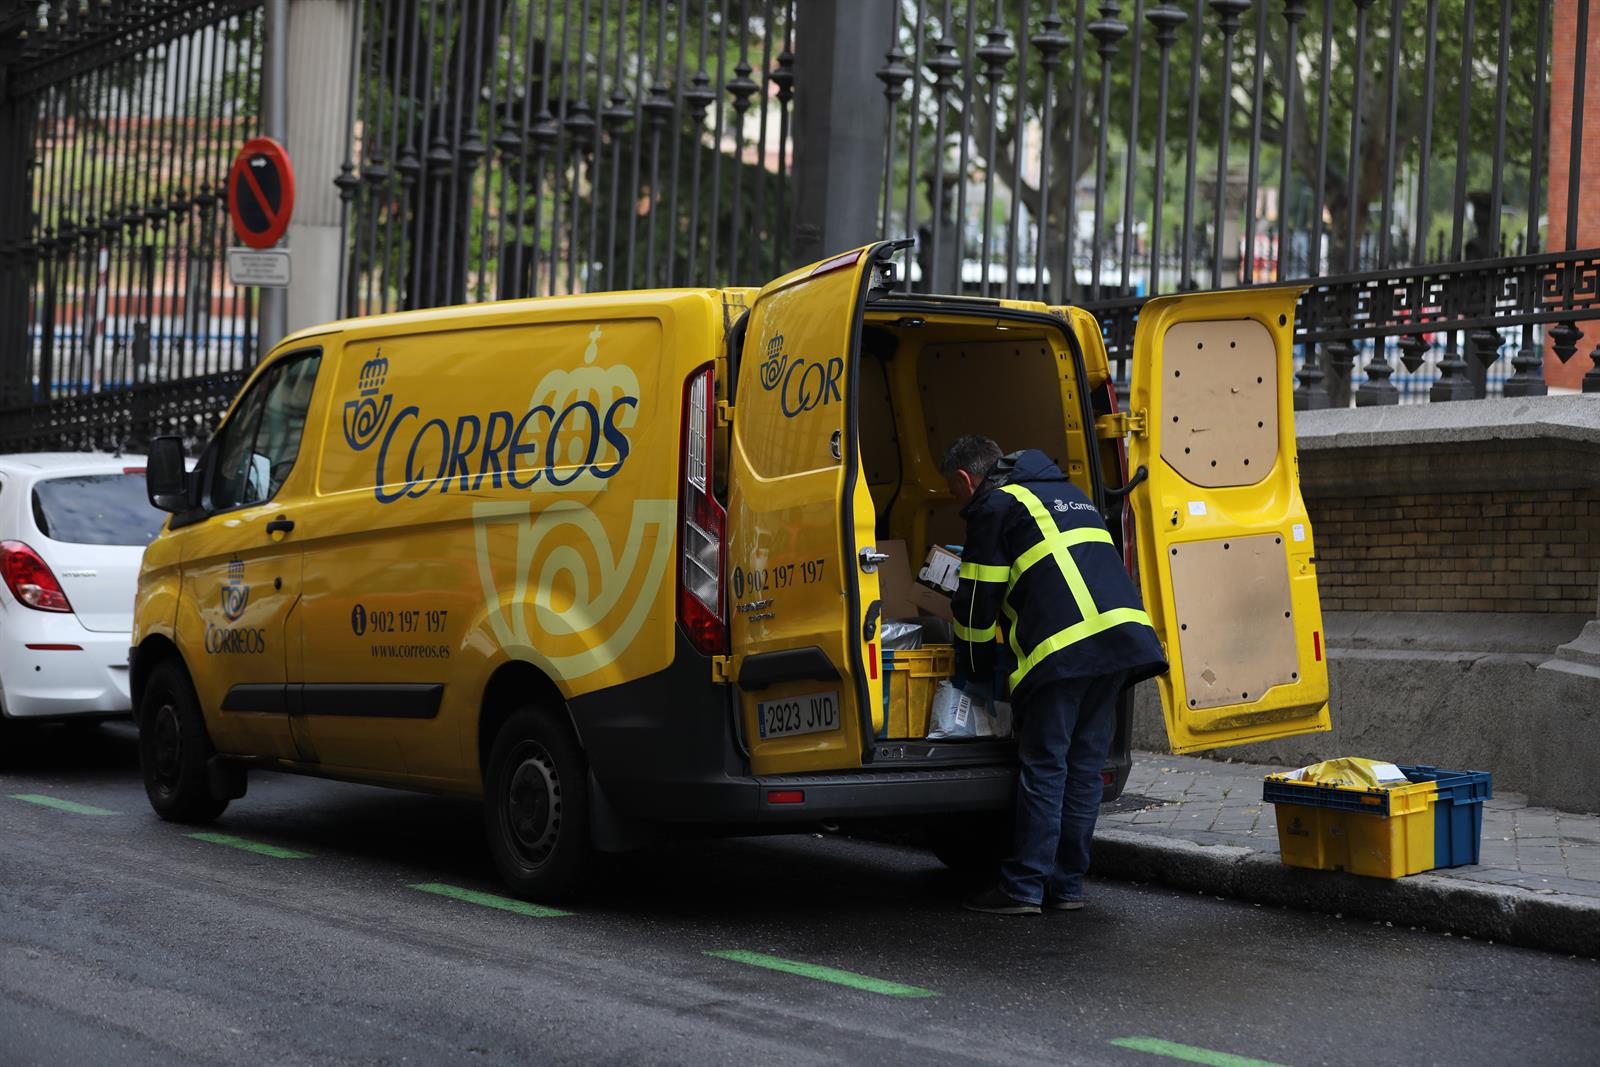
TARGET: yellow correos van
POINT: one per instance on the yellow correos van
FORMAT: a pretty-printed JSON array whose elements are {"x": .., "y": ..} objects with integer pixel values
[{"x": 611, "y": 562}]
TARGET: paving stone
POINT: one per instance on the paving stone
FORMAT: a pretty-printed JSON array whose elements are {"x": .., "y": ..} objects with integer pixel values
[{"x": 1163, "y": 817}]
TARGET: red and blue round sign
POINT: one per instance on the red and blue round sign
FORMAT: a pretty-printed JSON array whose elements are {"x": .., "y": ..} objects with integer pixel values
[{"x": 260, "y": 192}]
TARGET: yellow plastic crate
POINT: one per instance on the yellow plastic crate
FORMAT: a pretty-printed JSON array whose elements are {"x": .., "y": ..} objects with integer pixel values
[
  {"x": 1357, "y": 836},
  {"x": 909, "y": 679}
]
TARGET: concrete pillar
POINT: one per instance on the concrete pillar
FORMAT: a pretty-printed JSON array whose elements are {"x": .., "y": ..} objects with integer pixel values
[
  {"x": 317, "y": 135},
  {"x": 839, "y": 116}
]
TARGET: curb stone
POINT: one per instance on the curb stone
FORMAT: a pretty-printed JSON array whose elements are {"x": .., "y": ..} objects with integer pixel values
[{"x": 1560, "y": 922}]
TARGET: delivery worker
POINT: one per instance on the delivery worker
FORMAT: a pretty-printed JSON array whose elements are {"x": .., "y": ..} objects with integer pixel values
[{"x": 1038, "y": 550}]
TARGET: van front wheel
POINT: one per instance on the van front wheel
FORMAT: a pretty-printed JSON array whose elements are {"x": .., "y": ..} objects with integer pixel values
[
  {"x": 174, "y": 748},
  {"x": 536, "y": 807}
]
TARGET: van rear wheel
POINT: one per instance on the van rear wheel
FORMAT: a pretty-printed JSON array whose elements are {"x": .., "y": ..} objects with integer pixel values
[
  {"x": 536, "y": 807},
  {"x": 174, "y": 748}
]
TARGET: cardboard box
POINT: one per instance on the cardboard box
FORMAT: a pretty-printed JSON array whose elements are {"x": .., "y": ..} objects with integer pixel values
[{"x": 904, "y": 598}]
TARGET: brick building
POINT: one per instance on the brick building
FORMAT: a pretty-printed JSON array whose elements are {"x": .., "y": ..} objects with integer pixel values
[{"x": 1562, "y": 69}]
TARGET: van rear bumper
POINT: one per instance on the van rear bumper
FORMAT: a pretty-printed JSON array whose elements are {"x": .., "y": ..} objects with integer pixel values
[
  {"x": 662, "y": 750},
  {"x": 883, "y": 794}
]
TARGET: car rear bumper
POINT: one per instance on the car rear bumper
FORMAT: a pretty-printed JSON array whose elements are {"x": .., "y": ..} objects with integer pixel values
[{"x": 85, "y": 674}]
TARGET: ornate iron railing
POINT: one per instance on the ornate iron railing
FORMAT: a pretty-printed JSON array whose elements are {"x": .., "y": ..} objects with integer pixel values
[
  {"x": 117, "y": 125},
  {"x": 1418, "y": 164},
  {"x": 511, "y": 148},
  {"x": 1098, "y": 153}
]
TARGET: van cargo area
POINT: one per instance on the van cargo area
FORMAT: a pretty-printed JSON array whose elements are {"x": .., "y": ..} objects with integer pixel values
[{"x": 929, "y": 373}]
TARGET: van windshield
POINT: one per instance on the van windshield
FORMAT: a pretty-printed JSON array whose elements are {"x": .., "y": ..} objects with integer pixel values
[{"x": 96, "y": 509}]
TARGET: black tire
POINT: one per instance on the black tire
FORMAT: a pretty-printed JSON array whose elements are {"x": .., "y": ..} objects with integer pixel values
[
  {"x": 973, "y": 846},
  {"x": 536, "y": 807},
  {"x": 174, "y": 748}
]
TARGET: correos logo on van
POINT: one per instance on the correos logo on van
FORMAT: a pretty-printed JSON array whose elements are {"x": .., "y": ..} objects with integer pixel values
[
  {"x": 802, "y": 385},
  {"x": 571, "y": 435}
]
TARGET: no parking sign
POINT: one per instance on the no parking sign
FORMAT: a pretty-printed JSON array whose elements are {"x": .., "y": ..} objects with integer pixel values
[{"x": 261, "y": 192}]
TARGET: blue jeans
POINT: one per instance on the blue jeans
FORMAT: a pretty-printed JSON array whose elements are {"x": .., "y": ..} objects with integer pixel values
[{"x": 1064, "y": 734}]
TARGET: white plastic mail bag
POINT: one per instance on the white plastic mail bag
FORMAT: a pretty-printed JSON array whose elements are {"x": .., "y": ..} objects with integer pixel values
[{"x": 954, "y": 714}]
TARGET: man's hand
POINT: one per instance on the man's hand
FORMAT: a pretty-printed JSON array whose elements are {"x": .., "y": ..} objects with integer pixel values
[{"x": 983, "y": 689}]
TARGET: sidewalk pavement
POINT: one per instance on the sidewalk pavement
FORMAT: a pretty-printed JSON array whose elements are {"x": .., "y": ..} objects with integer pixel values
[{"x": 1201, "y": 824}]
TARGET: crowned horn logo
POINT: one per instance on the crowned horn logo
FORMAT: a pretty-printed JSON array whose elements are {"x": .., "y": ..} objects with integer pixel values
[
  {"x": 772, "y": 366},
  {"x": 366, "y": 415},
  {"x": 235, "y": 594}
]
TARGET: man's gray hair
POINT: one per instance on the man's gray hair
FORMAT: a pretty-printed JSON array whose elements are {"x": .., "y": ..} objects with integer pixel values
[{"x": 973, "y": 453}]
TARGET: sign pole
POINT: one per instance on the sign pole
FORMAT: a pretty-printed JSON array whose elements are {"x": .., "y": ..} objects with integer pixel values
[{"x": 274, "y": 310}]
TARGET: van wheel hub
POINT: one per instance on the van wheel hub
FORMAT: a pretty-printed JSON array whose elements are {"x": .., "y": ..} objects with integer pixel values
[
  {"x": 533, "y": 803},
  {"x": 168, "y": 749}
]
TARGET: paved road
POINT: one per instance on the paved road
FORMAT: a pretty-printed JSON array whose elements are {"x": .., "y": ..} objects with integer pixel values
[{"x": 123, "y": 940}]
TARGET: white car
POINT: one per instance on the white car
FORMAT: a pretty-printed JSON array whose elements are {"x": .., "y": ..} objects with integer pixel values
[{"x": 73, "y": 529}]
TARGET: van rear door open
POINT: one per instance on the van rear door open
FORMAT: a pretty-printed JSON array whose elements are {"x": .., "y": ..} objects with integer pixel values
[
  {"x": 1225, "y": 550},
  {"x": 800, "y": 524}
]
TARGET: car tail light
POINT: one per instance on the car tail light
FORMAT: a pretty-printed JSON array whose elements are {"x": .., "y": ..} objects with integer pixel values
[
  {"x": 702, "y": 524},
  {"x": 29, "y": 578}
]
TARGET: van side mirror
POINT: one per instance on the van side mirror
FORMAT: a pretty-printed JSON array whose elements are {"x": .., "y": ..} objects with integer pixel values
[{"x": 165, "y": 480}]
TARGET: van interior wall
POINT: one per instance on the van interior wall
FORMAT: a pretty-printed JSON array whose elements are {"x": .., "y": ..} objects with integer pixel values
[{"x": 929, "y": 379}]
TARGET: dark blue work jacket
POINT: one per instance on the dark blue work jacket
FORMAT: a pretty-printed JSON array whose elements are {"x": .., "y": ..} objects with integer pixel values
[{"x": 1038, "y": 551}]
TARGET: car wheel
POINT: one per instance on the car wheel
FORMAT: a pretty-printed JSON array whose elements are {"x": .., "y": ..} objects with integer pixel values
[
  {"x": 536, "y": 807},
  {"x": 174, "y": 748}
]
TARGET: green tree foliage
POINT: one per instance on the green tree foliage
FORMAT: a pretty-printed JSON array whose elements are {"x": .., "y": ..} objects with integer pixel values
[{"x": 1419, "y": 93}]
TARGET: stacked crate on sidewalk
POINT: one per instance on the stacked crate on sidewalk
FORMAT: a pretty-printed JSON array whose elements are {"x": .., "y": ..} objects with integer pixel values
[{"x": 1434, "y": 819}]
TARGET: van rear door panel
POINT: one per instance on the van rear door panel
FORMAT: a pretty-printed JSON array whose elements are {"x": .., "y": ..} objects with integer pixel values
[
  {"x": 1227, "y": 564},
  {"x": 798, "y": 514}
]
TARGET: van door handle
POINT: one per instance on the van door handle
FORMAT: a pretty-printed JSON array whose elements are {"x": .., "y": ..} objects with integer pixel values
[
  {"x": 280, "y": 526},
  {"x": 871, "y": 558}
]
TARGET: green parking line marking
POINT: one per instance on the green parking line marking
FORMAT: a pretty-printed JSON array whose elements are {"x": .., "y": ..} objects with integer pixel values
[
  {"x": 490, "y": 900},
  {"x": 1191, "y": 1053},
  {"x": 62, "y": 805},
  {"x": 824, "y": 974},
  {"x": 251, "y": 846}
]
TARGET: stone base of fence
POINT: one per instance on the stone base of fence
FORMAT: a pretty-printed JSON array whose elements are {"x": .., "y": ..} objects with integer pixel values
[{"x": 1459, "y": 558}]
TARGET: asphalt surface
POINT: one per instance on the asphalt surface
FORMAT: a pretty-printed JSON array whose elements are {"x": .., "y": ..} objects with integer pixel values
[{"x": 123, "y": 940}]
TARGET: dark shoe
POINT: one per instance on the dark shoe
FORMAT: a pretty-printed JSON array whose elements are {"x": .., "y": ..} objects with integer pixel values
[
  {"x": 995, "y": 902},
  {"x": 1064, "y": 904}
]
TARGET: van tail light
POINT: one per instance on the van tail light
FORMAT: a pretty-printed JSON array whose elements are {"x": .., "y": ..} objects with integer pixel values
[
  {"x": 30, "y": 579},
  {"x": 702, "y": 524}
]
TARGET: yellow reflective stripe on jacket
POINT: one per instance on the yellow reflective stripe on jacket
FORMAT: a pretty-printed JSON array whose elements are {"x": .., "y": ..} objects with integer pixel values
[
  {"x": 984, "y": 572},
  {"x": 1058, "y": 539},
  {"x": 975, "y": 637},
  {"x": 1051, "y": 536},
  {"x": 1073, "y": 634},
  {"x": 1057, "y": 544},
  {"x": 1011, "y": 631}
]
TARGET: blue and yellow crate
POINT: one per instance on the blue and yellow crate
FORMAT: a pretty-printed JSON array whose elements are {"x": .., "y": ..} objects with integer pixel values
[
  {"x": 909, "y": 679},
  {"x": 1434, "y": 819}
]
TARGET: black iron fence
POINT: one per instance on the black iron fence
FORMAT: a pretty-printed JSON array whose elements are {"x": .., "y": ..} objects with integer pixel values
[
  {"x": 512, "y": 148},
  {"x": 1415, "y": 160},
  {"x": 117, "y": 126},
  {"x": 1418, "y": 163}
]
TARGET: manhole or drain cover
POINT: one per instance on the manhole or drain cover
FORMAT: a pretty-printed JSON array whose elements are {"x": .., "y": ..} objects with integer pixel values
[{"x": 1130, "y": 802}]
